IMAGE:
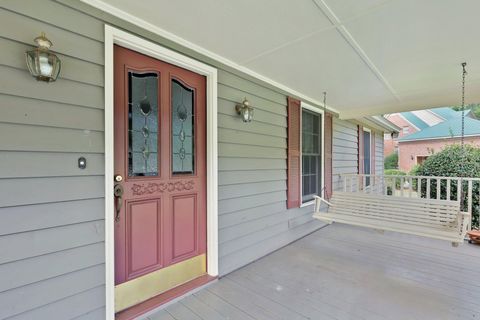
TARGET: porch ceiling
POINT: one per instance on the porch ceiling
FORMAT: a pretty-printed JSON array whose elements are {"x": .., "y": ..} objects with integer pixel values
[{"x": 371, "y": 56}]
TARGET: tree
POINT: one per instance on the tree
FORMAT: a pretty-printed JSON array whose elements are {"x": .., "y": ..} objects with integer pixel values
[
  {"x": 475, "y": 107},
  {"x": 452, "y": 162}
]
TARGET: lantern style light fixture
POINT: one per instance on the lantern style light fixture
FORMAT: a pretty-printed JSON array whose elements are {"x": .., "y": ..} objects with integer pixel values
[
  {"x": 43, "y": 64},
  {"x": 245, "y": 110}
]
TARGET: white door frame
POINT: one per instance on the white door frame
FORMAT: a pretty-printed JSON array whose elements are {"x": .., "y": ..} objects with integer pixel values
[{"x": 127, "y": 40}]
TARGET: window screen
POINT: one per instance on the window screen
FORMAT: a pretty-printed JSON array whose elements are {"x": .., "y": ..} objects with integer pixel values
[{"x": 311, "y": 154}]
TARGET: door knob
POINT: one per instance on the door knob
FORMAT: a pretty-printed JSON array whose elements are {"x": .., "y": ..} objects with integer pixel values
[
  {"x": 118, "y": 178},
  {"x": 118, "y": 193}
]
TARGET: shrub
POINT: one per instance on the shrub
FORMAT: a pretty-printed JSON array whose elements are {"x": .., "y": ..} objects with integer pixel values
[
  {"x": 415, "y": 170},
  {"x": 394, "y": 172},
  {"x": 391, "y": 161},
  {"x": 451, "y": 163}
]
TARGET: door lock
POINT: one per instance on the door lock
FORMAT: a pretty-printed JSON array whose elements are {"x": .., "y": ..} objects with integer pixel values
[
  {"x": 118, "y": 178},
  {"x": 118, "y": 193}
]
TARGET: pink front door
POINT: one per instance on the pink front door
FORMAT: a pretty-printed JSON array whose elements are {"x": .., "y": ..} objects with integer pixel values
[{"x": 160, "y": 165}]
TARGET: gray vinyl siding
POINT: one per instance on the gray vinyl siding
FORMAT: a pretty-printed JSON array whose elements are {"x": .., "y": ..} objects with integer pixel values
[
  {"x": 379, "y": 153},
  {"x": 52, "y": 252},
  {"x": 253, "y": 219},
  {"x": 344, "y": 149}
]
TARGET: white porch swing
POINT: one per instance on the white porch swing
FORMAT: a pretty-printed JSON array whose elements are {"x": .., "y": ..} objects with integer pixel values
[{"x": 434, "y": 218}]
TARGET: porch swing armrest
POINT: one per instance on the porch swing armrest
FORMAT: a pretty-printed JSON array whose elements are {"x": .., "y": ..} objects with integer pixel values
[
  {"x": 318, "y": 201},
  {"x": 465, "y": 219}
]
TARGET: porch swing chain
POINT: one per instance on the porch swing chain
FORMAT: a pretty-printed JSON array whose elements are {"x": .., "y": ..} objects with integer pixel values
[
  {"x": 464, "y": 73},
  {"x": 462, "y": 164}
]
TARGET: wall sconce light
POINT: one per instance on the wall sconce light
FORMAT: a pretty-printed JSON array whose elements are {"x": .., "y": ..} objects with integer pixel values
[
  {"x": 43, "y": 64},
  {"x": 245, "y": 110}
]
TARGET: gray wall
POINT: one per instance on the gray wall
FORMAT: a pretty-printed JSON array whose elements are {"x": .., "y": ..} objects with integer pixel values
[
  {"x": 51, "y": 212},
  {"x": 345, "y": 150},
  {"x": 253, "y": 219},
  {"x": 51, "y": 229},
  {"x": 379, "y": 153}
]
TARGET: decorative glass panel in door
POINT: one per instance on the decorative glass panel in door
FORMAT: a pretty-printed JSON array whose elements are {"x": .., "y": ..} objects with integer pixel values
[
  {"x": 183, "y": 129},
  {"x": 142, "y": 124}
]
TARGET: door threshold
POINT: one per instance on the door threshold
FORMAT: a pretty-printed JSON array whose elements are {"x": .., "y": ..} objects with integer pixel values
[{"x": 163, "y": 298}]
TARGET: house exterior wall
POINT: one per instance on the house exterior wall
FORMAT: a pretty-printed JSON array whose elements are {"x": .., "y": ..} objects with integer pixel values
[
  {"x": 52, "y": 258},
  {"x": 390, "y": 145},
  {"x": 379, "y": 152},
  {"x": 409, "y": 150},
  {"x": 52, "y": 251},
  {"x": 345, "y": 151}
]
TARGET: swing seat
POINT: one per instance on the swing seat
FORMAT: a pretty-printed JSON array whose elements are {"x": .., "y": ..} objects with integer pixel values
[{"x": 432, "y": 218}]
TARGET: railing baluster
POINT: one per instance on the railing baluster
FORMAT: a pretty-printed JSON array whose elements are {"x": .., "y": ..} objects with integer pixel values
[
  {"x": 385, "y": 186},
  {"x": 402, "y": 181},
  {"x": 410, "y": 181},
  {"x": 449, "y": 189},
  {"x": 428, "y": 188},
  {"x": 459, "y": 191},
  {"x": 438, "y": 189},
  {"x": 469, "y": 196},
  {"x": 419, "y": 187}
]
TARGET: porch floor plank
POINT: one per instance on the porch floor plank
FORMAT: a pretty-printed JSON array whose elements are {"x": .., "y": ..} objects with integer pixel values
[
  {"x": 201, "y": 309},
  {"x": 344, "y": 272},
  {"x": 161, "y": 315},
  {"x": 179, "y": 312}
]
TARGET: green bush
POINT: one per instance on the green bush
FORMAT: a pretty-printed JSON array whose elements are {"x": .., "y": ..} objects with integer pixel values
[
  {"x": 391, "y": 161},
  {"x": 394, "y": 172},
  {"x": 450, "y": 162},
  {"x": 415, "y": 170}
]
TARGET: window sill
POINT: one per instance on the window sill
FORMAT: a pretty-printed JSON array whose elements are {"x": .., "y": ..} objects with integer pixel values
[{"x": 306, "y": 204}]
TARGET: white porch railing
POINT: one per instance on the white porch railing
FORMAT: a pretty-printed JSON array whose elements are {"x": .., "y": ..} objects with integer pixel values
[{"x": 430, "y": 187}]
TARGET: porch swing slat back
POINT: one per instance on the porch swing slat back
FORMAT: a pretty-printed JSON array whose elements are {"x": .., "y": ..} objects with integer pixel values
[{"x": 439, "y": 219}]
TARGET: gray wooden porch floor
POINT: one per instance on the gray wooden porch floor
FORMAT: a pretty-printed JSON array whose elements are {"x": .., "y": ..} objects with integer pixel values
[{"x": 343, "y": 272}]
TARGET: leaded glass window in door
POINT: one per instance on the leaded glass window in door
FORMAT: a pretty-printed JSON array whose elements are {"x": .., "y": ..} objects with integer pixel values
[
  {"x": 142, "y": 124},
  {"x": 183, "y": 128}
]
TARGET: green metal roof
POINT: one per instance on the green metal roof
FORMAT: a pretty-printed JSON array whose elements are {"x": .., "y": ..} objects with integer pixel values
[
  {"x": 446, "y": 113},
  {"x": 446, "y": 129}
]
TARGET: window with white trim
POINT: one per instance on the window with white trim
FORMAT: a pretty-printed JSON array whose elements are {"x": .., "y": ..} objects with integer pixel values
[
  {"x": 311, "y": 154},
  {"x": 367, "y": 153}
]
